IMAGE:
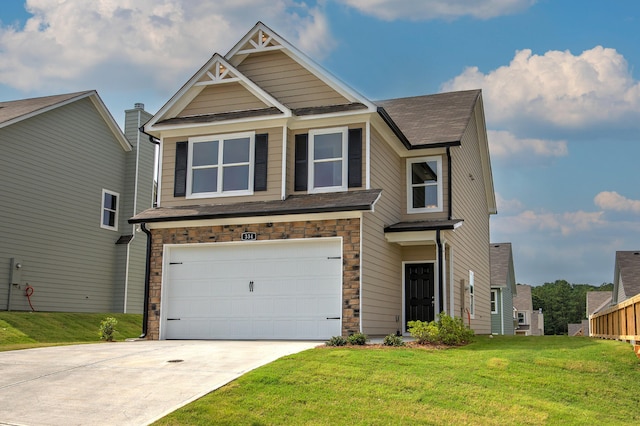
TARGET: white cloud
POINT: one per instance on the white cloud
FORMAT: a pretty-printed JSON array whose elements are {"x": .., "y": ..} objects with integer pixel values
[
  {"x": 557, "y": 88},
  {"x": 508, "y": 206},
  {"x": 607, "y": 200},
  {"x": 70, "y": 44},
  {"x": 504, "y": 144},
  {"x": 559, "y": 224},
  {"x": 416, "y": 10}
]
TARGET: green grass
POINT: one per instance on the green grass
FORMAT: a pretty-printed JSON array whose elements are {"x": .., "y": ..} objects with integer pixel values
[
  {"x": 20, "y": 330},
  {"x": 494, "y": 381}
]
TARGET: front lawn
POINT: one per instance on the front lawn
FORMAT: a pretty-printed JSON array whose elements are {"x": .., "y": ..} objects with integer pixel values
[
  {"x": 494, "y": 381},
  {"x": 21, "y": 330}
]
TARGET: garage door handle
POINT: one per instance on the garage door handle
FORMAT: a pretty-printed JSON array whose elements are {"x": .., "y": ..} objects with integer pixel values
[
  {"x": 333, "y": 317},
  {"x": 173, "y": 319}
]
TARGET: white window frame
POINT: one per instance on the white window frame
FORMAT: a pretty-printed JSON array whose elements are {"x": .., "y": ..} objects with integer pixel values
[
  {"x": 472, "y": 295},
  {"x": 103, "y": 208},
  {"x": 344, "y": 131},
  {"x": 494, "y": 301},
  {"x": 524, "y": 318},
  {"x": 220, "y": 166},
  {"x": 410, "y": 162}
]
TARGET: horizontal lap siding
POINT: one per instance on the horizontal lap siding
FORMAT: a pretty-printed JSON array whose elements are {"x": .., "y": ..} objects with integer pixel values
[
  {"x": 471, "y": 240},
  {"x": 222, "y": 98},
  {"x": 53, "y": 169},
  {"x": 274, "y": 174},
  {"x": 288, "y": 81},
  {"x": 381, "y": 261}
]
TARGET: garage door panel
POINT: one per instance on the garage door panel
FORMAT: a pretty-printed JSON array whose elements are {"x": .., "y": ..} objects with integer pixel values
[{"x": 282, "y": 290}]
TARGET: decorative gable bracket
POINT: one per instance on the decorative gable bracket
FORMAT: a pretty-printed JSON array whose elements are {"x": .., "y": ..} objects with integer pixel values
[{"x": 260, "y": 41}]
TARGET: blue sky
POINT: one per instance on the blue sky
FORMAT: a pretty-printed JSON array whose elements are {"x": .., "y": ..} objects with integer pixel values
[{"x": 560, "y": 82}]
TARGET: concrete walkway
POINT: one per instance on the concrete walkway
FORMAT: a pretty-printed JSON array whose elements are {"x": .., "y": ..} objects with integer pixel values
[{"x": 128, "y": 383}]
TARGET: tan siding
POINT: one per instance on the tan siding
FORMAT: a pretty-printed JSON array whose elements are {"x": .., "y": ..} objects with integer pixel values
[
  {"x": 274, "y": 174},
  {"x": 381, "y": 261},
  {"x": 471, "y": 240},
  {"x": 222, "y": 98},
  {"x": 288, "y": 81}
]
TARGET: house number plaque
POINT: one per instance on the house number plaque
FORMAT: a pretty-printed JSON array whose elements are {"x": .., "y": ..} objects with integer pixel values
[{"x": 249, "y": 236}]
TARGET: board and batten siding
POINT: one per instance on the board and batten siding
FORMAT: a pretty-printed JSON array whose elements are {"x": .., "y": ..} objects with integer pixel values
[
  {"x": 381, "y": 265},
  {"x": 53, "y": 170},
  {"x": 274, "y": 174},
  {"x": 471, "y": 240},
  {"x": 221, "y": 98},
  {"x": 288, "y": 81}
]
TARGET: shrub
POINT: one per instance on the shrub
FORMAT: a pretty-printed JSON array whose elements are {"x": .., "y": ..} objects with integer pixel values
[
  {"x": 336, "y": 341},
  {"x": 447, "y": 330},
  {"x": 393, "y": 340},
  {"x": 357, "y": 339},
  {"x": 107, "y": 328}
]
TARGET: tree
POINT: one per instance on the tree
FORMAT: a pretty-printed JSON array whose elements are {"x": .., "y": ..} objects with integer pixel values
[{"x": 563, "y": 303}]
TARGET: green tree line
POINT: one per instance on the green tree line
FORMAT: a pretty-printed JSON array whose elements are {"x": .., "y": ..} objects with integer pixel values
[{"x": 563, "y": 303}]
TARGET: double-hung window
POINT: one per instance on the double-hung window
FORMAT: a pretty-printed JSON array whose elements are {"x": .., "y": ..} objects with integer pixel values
[
  {"x": 221, "y": 165},
  {"x": 472, "y": 294},
  {"x": 494, "y": 301},
  {"x": 328, "y": 160},
  {"x": 109, "y": 219},
  {"x": 424, "y": 184}
]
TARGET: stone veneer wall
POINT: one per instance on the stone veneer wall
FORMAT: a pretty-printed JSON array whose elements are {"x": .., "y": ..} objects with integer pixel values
[{"x": 348, "y": 229}]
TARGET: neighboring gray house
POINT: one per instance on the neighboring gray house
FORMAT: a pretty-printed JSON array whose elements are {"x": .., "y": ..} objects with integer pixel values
[
  {"x": 530, "y": 322},
  {"x": 70, "y": 179},
  {"x": 626, "y": 278},
  {"x": 503, "y": 288}
]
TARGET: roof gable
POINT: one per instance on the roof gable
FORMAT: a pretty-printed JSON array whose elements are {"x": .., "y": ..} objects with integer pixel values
[
  {"x": 502, "y": 271},
  {"x": 261, "y": 39},
  {"x": 12, "y": 112},
  {"x": 216, "y": 72}
]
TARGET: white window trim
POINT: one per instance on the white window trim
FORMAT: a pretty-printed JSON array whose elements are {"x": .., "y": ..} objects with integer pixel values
[
  {"x": 410, "y": 208},
  {"x": 103, "y": 208},
  {"x": 345, "y": 160},
  {"x": 221, "y": 138},
  {"x": 494, "y": 293},
  {"x": 472, "y": 295}
]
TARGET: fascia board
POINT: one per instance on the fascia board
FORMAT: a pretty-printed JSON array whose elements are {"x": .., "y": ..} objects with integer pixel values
[
  {"x": 190, "y": 90},
  {"x": 193, "y": 129},
  {"x": 109, "y": 120},
  {"x": 305, "y": 61}
]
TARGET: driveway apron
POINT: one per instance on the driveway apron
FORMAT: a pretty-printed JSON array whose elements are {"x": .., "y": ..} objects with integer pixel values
[{"x": 127, "y": 383}]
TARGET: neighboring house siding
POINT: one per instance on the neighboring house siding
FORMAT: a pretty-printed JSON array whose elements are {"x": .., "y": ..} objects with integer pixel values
[
  {"x": 222, "y": 98},
  {"x": 274, "y": 176},
  {"x": 496, "y": 319},
  {"x": 51, "y": 211},
  {"x": 382, "y": 261},
  {"x": 288, "y": 81},
  {"x": 507, "y": 299},
  {"x": 470, "y": 204},
  {"x": 621, "y": 297}
]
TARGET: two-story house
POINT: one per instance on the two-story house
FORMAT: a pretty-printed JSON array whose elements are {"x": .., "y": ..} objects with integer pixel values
[
  {"x": 292, "y": 207},
  {"x": 70, "y": 181},
  {"x": 503, "y": 289}
]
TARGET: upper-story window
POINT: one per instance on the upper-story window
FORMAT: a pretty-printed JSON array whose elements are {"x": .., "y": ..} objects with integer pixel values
[
  {"x": 220, "y": 165},
  {"x": 328, "y": 160},
  {"x": 109, "y": 219},
  {"x": 424, "y": 184}
]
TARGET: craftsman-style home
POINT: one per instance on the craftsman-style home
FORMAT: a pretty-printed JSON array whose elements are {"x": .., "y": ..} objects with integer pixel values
[{"x": 292, "y": 207}]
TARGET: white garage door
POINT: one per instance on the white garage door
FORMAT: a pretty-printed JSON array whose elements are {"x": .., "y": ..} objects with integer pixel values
[{"x": 256, "y": 290}]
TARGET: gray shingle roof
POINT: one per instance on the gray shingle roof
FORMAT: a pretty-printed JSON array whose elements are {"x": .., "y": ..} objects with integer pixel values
[
  {"x": 432, "y": 119},
  {"x": 522, "y": 300},
  {"x": 500, "y": 259},
  {"x": 628, "y": 264},
  {"x": 597, "y": 300},
  {"x": 294, "y": 204},
  {"x": 14, "y": 110}
]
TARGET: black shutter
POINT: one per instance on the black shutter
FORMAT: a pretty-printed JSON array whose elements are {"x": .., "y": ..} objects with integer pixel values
[
  {"x": 355, "y": 158},
  {"x": 180, "y": 173},
  {"x": 301, "y": 172},
  {"x": 260, "y": 167}
]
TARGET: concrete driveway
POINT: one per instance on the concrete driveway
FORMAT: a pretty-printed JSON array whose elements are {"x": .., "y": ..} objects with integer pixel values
[{"x": 127, "y": 383}]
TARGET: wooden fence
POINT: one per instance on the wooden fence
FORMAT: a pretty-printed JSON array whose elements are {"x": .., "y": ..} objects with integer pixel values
[{"x": 621, "y": 322}]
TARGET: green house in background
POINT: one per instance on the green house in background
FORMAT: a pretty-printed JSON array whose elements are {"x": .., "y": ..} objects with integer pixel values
[
  {"x": 503, "y": 289},
  {"x": 69, "y": 180}
]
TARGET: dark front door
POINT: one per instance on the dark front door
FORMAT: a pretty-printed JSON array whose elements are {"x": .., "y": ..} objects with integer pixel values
[{"x": 418, "y": 291}]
